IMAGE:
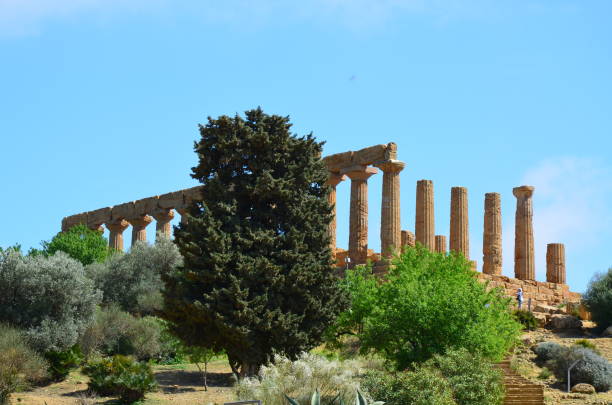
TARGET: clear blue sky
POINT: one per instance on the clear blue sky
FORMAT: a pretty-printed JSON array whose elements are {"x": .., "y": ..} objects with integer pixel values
[{"x": 100, "y": 101}]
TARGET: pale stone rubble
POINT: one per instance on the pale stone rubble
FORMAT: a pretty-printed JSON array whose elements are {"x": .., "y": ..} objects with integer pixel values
[{"x": 359, "y": 166}]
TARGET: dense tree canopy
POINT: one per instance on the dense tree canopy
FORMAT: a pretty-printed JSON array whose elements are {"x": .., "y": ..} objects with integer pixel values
[{"x": 257, "y": 275}]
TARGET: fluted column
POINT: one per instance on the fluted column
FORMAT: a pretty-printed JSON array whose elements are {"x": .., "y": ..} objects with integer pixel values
[
  {"x": 408, "y": 239},
  {"x": 163, "y": 218},
  {"x": 390, "y": 226},
  {"x": 492, "y": 235},
  {"x": 139, "y": 228},
  {"x": 524, "y": 266},
  {"x": 440, "y": 244},
  {"x": 424, "y": 223},
  {"x": 332, "y": 182},
  {"x": 116, "y": 228},
  {"x": 459, "y": 230},
  {"x": 358, "y": 233},
  {"x": 555, "y": 263}
]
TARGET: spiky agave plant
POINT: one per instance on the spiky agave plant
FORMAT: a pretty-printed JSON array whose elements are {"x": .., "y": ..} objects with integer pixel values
[{"x": 316, "y": 400}]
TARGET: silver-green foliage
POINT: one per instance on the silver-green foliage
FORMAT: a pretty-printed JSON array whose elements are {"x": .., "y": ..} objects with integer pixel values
[
  {"x": 316, "y": 400},
  {"x": 19, "y": 364},
  {"x": 50, "y": 298},
  {"x": 300, "y": 378},
  {"x": 591, "y": 368},
  {"x": 132, "y": 280}
]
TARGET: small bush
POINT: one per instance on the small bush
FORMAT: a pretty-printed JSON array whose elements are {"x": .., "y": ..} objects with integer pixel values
[
  {"x": 423, "y": 386},
  {"x": 116, "y": 332},
  {"x": 300, "y": 378},
  {"x": 19, "y": 364},
  {"x": 50, "y": 298},
  {"x": 547, "y": 350},
  {"x": 132, "y": 280},
  {"x": 120, "y": 375},
  {"x": 598, "y": 299},
  {"x": 591, "y": 369},
  {"x": 544, "y": 374},
  {"x": 587, "y": 345},
  {"x": 61, "y": 362},
  {"x": 526, "y": 319}
]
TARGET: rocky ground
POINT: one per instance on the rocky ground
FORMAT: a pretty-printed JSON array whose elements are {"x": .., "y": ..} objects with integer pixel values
[{"x": 555, "y": 392}]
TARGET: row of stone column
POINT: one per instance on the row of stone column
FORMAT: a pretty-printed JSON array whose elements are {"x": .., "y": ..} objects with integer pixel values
[
  {"x": 390, "y": 229},
  {"x": 524, "y": 264},
  {"x": 163, "y": 228}
]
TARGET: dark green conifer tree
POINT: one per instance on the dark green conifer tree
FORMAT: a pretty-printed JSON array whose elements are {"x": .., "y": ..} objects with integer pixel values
[{"x": 258, "y": 275}]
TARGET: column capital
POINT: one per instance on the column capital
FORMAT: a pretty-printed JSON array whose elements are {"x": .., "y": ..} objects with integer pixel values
[
  {"x": 163, "y": 214},
  {"x": 359, "y": 172},
  {"x": 523, "y": 191},
  {"x": 334, "y": 179},
  {"x": 141, "y": 221},
  {"x": 117, "y": 225},
  {"x": 391, "y": 166}
]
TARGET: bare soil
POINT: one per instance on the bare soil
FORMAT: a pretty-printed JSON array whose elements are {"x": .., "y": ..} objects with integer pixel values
[{"x": 179, "y": 384}]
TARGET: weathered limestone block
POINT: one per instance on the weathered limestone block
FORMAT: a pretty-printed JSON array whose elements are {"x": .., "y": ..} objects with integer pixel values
[
  {"x": 125, "y": 210},
  {"x": 390, "y": 228},
  {"x": 555, "y": 263},
  {"x": 524, "y": 263},
  {"x": 332, "y": 182},
  {"x": 559, "y": 321},
  {"x": 492, "y": 235},
  {"x": 440, "y": 244},
  {"x": 363, "y": 157},
  {"x": 183, "y": 213},
  {"x": 163, "y": 228},
  {"x": 408, "y": 238},
  {"x": 583, "y": 388},
  {"x": 116, "y": 228},
  {"x": 459, "y": 230},
  {"x": 69, "y": 222},
  {"x": 96, "y": 218},
  {"x": 145, "y": 206},
  {"x": 171, "y": 200},
  {"x": 358, "y": 236},
  {"x": 139, "y": 225},
  {"x": 424, "y": 221},
  {"x": 192, "y": 194}
]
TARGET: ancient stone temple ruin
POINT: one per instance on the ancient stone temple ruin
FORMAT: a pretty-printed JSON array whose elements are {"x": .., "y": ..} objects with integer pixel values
[{"x": 358, "y": 167}]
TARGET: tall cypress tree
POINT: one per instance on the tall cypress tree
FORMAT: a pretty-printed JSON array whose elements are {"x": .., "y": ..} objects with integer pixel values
[{"x": 258, "y": 275}]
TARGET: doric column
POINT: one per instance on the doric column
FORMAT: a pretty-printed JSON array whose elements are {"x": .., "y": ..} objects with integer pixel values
[
  {"x": 116, "y": 228},
  {"x": 390, "y": 227},
  {"x": 182, "y": 212},
  {"x": 408, "y": 239},
  {"x": 459, "y": 232},
  {"x": 440, "y": 244},
  {"x": 139, "y": 228},
  {"x": 424, "y": 228},
  {"x": 358, "y": 234},
  {"x": 332, "y": 182},
  {"x": 492, "y": 235},
  {"x": 163, "y": 218},
  {"x": 524, "y": 266},
  {"x": 555, "y": 263}
]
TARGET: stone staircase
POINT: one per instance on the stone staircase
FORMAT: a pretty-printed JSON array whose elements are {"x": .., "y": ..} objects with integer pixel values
[{"x": 520, "y": 391}]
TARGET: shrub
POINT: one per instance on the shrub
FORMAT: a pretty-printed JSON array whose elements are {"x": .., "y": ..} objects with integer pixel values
[
  {"x": 61, "y": 362},
  {"x": 132, "y": 280},
  {"x": 428, "y": 304},
  {"x": 547, "y": 350},
  {"x": 424, "y": 386},
  {"x": 587, "y": 345},
  {"x": 79, "y": 242},
  {"x": 591, "y": 369},
  {"x": 50, "y": 298},
  {"x": 472, "y": 378},
  {"x": 598, "y": 299},
  {"x": 526, "y": 319},
  {"x": 300, "y": 378},
  {"x": 19, "y": 364},
  {"x": 120, "y": 375},
  {"x": 316, "y": 400},
  {"x": 544, "y": 374},
  {"x": 114, "y": 331}
]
